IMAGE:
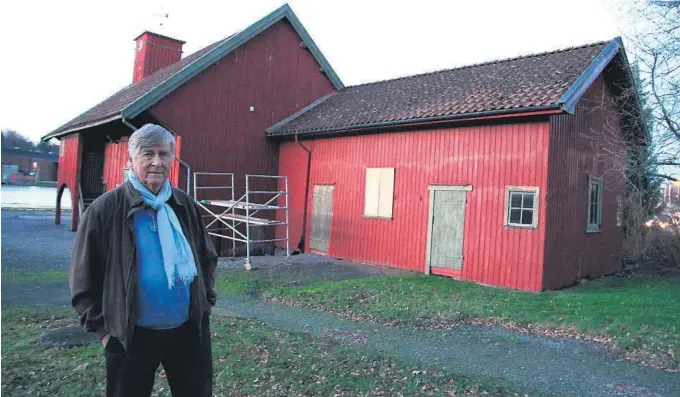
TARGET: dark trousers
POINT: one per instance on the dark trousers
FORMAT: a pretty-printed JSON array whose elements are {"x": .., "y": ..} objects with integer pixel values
[{"x": 185, "y": 354}]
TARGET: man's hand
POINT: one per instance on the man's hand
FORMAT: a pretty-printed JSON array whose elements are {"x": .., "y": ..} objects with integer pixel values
[{"x": 105, "y": 340}]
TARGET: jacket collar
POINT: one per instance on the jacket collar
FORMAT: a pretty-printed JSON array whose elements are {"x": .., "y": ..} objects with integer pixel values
[{"x": 136, "y": 202}]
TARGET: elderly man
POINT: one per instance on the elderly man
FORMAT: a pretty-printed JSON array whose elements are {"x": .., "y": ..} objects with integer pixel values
[{"x": 142, "y": 276}]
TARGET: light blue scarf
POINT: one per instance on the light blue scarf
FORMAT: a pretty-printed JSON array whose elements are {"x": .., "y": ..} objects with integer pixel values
[{"x": 178, "y": 258}]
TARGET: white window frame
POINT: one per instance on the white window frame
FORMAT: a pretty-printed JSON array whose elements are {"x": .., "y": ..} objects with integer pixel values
[
  {"x": 594, "y": 227},
  {"x": 61, "y": 149},
  {"x": 379, "y": 193},
  {"x": 521, "y": 189},
  {"x": 125, "y": 174}
]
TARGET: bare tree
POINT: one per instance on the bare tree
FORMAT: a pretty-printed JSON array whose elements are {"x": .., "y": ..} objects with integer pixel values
[
  {"x": 640, "y": 137},
  {"x": 652, "y": 35}
]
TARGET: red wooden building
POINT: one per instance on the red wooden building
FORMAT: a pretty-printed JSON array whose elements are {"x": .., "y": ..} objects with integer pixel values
[
  {"x": 498, "y": 173},
  {"x": 218, "y": 102}
]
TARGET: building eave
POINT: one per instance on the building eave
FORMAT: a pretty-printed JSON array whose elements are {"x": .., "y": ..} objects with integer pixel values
[
  {"x": 570, "y": 98},
  {"x": 426, "y": 122},
  {"x": 59, "y": 134}
]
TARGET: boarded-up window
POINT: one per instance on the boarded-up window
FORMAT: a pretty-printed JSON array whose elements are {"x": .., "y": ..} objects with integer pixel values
[{"x": 379, "y": 192}]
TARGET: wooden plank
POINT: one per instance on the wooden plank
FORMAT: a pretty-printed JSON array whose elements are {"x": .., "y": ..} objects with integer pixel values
[
  {"x": 386, "y": 194},
  {"x": 322, "y": 214},
  {"x": 372, "y": 192},
  {"x": 448, "y": 220},
  {"x": 252, "y": 220}
]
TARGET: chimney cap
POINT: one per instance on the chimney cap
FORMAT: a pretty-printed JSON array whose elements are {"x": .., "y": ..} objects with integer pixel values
[{"x": 158, "y": 35}]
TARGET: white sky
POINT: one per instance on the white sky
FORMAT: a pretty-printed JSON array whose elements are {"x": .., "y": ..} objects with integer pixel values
[{"x": 59, "y": 58}]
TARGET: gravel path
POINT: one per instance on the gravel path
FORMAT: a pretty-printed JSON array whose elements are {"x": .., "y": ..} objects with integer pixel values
[
  {"x": 525, "y": 363},
  {"x": 31, "y": 240}
]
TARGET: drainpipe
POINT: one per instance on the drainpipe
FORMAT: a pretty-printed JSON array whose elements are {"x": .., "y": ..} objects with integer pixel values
[
  {"x": 132, "y": 127},
  {"x": 301, "y": 244}
]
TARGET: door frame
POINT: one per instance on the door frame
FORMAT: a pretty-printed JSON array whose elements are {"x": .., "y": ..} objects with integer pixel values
[{"x": 430, "y": 217}]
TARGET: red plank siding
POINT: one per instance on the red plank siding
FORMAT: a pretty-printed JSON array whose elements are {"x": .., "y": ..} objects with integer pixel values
[
  {"x": 212, "y": 111},
  {"x": 116, "y": 158},
  {"x": 486, "y": 157},
  {"x": 577, "y": 149},
  {"x": 69, "y": 172}
]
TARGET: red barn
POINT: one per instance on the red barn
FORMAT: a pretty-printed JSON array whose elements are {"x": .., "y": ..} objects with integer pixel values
[
  {"x": 218, "y": 102},
  {"x": 498, "y": 173},
  {"x": 502, "y": 173}
]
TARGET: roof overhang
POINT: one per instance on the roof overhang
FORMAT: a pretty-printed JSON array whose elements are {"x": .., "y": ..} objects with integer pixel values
[
  {"x": 570, "y": 98},
  {"x": 428, "y": 122},
  {"x": 59, "y": 134}
]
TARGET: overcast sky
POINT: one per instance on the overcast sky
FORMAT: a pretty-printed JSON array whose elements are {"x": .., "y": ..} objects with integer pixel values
[{"x": 59, "y": 58}]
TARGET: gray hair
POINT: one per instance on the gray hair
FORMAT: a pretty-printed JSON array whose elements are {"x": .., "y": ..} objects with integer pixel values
[{"x": 150, "y": 135}]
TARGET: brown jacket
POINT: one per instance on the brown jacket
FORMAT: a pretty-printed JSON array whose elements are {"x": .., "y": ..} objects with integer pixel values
[{"x": 103, "y": 274}]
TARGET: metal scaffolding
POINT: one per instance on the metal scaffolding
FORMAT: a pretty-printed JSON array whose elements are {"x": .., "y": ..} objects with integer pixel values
[{"x": 231, "y": 212}]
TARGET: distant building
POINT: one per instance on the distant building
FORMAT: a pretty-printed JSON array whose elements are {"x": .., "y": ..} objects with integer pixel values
[{"x": 26, "y": 166}]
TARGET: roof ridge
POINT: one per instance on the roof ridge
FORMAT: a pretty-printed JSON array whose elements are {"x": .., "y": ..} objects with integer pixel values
[{"x": 496, "y": 61}]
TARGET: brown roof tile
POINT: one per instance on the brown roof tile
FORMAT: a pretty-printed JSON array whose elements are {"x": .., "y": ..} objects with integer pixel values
[
  {"x": 113, "y": 105},
  {"x": 531, "y": 81}
]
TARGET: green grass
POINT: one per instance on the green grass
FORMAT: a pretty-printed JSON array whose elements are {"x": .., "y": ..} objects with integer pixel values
[
  {"x": 34, "y": 276},
  {"x": 639, "y": 314},
  {"x": 250, "y": 359},
  {"x": 230, "y": 282}
]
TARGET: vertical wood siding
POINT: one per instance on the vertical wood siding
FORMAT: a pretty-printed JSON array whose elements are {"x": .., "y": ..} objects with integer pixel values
[
  {"x": 69, "y": 171},
  {"x": 486, "y": 157},
  {"x": 273, "y": 74},
  {"x": 116, "y": 159},
  {"x": 578, "y": 147}
]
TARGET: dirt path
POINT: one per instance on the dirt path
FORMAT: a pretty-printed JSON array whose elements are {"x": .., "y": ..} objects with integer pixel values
[{"x": 526, "y": 363}]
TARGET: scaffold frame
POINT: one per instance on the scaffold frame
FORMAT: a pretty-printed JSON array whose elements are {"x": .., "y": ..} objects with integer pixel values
[{"x": 224, "y": 211}]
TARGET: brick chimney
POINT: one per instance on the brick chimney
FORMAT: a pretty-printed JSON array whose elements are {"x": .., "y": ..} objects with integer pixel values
[{"x": 152, "y": 52}]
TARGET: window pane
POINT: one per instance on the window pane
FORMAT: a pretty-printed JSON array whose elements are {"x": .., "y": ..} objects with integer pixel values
[
  {"x": 527, "y": 217},
  {"x": 515, "y": 200},
  {"x": 592, "y": 218},
  {"x": 528, "y": 201},
  {"x": 515, "y": 216}
]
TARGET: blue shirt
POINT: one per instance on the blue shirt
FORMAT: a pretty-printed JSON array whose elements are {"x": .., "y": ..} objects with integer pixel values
[{"x": 158, "y": 307}]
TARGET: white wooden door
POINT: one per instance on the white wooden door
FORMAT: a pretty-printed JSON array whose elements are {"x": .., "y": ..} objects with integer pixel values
[
  {"x": 447, "y": 227},
  {"x": 322, "y": 214}
]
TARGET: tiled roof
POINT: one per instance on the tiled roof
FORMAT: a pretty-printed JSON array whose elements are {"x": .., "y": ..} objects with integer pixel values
[
  {"x": 113, "y": 105},
  {"x": 528, "y": 82}
]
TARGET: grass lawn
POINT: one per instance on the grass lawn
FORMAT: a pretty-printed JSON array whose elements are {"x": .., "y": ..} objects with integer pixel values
[
  {"x": 250, "y": 358},
  {"x": 34, "y": 276},
  {"x": 640, "y": 315}
]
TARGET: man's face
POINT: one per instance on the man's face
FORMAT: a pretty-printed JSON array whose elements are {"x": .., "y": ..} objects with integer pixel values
[{"x": 152, "y": 166}]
